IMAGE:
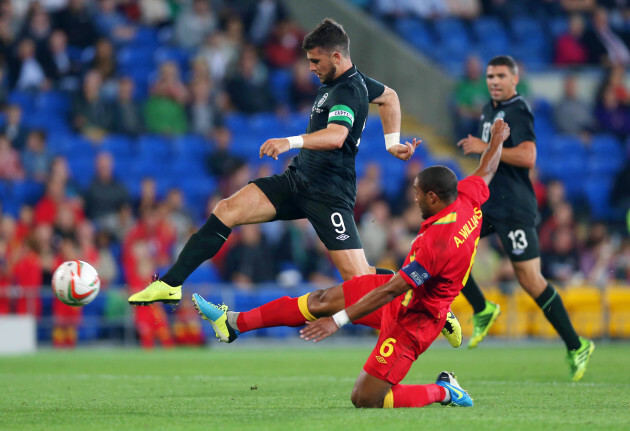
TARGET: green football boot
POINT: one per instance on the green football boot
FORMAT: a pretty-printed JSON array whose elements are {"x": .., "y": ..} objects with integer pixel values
[
  {"x": 157, "y": 291},
  {"x": 482, "y": 322},
  {"x": 578, "y": 359}
]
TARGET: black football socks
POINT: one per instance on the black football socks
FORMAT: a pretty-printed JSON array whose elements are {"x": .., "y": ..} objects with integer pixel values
[
  {"x": 201, "y": 246},
  {"x": 553, "y": 308},
  {"x": 474, "y": 295}
]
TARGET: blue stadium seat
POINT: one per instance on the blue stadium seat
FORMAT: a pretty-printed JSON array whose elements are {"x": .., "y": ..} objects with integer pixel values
[
  {"x": 558, "y": 26},
  {"x": 567, "y": 145},
  {"x": 206, "y": 273},
  {"x": 416, "y": 32},
  {"x": 191, "y": 146},
  {"x": 280, "y": 82},
  {"x": 53, "y": 102},
  {"x": 130, "y": 58},
  {"x": 23, "y": 98},
  {"x": 154, "y": 147},
  {"x": 172, "y": 53},
  {"x": 607, "y": 145},
  {"x": 491, "y": 34},
  {"x": 597, "y": 190},
  {"x": 119, "y": 145}
]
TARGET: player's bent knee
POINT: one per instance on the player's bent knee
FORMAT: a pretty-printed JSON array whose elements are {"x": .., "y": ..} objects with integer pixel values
[
  {"x": 362, "y": 400},
  {"x": 226, "y": 211},
  {"x": 318, "y": 304}
]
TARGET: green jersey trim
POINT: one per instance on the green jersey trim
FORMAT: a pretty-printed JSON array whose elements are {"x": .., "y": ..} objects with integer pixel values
[{"x": 341, "y": 113}]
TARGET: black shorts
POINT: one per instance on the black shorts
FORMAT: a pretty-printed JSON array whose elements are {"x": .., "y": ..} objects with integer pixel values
[
  {"x": 333, "y": 222},
  {"x": 520, "y": 242}
]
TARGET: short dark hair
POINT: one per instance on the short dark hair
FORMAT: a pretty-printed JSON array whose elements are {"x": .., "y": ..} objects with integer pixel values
[
  {"x": 440, "y": 180},
  {"x": 329, "y": 34},
  {"x": 505, "y": 60}
]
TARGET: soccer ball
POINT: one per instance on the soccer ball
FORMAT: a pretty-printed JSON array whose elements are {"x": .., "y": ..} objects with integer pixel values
[{"x": 76, "y": 283}]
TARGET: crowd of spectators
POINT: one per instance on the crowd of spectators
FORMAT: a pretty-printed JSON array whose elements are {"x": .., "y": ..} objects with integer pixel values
[{"x": 77, "y": 47}]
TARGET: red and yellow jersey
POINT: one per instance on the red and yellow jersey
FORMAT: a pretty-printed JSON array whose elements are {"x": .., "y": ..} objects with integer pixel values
[{"x": 442, "y": 254}]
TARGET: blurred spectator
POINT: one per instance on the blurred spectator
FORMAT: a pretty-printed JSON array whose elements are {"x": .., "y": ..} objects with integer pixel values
[
  {"x": 303, "y": 89},
  {"x": 204, "y": 114},
  {"x": 105, "y": 195},
  {"x": 622, "y": 262},
  {"x": 604, "y": 45},
  {"x": 154, "y": 229},
  {"x": 570, "y": 49},
  {"x": 571, "y": 115},
  {"x": 113, "y": 24},
  {"x": 284, "y": 46},
  {"x": 616, "y": 78},
  {"x": 151, "y": 321},
  {"x": 27, "y": 72},
  {"x": 466, "y": 9},
  {"x": 248, "y": 262},
  {"x": 222, "y": 162},
  {"x": 7, "y": 36},
  {"x": 561, "y": 262},
  {"x": 178, "y": 214},
  {"x": 164, "y": 111},
  {"x": 155, "y": 12},
  {"x": 48, "y": 207},
  {"x": 4, "y": 90},
  {"x": 61, "y": 67},
  {"x": 126, "y": 114},
  {"x": 36, "y": 159},
  {"x": 612, "y": 116},
  {"x": 37, "y": 28},
  {"x": 373, "y": 230},
  {"x": 104, "y": 62},
  {"x": 562, "y": 218},
  {"x": 471, "y": 94},
  {"x": 148, "y": 195},
  {"x": 14, "y": 129},
  {"x": 218, "y": 53},
  {"x": 406, "y": 194},
  {"x": 107, "y": 266},
  {"x": 262, "y": 17},
  {"x": 91, "y": 115},
  {"x": 194, "y": 24},
  {"x": 78, "y": 23},
  {"x": 248, "y": 86},
  {"x": 10, "y": 164},
  {"x": 540, "y": 189},
  {"x": 596, "y": 262},
  {"x": 59, "y": 170},
  {"x": 199, "y": 70},
  {"x": 187, "y": 328},
  {"x": 556, "y": 195},
  {"x": 369, "y": 189},
  {"x": 28, "y": 277}
]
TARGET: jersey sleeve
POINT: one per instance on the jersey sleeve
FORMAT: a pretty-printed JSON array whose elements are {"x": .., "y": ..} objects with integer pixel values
[
  {"x": 344, "y": 104},
  {"x": 523, "y": 129},
  {"x": 475, "y": 188},
  {"x": 422, "y": 268},
  {"x": 375, "y": 89}
]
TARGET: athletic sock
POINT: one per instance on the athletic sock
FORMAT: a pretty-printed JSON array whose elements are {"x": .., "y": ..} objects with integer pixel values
[
  {"x": 414, "y": 395},
  {"x": 474, "y": 295},
  {"x": 553, "y": 308},
  {"x": 385, "y": 271},
  {"x": 285, "y": 311},
  {"x": 203, "y": 245}
]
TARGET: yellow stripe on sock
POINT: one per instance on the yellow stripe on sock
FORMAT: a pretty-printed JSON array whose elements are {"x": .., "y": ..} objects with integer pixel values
[
  {"x": 303, "y": 305},
  {"x": 388, "y": 402}
]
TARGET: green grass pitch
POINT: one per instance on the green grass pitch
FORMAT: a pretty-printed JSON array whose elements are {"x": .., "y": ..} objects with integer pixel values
[{"x": 249, "y": 386}]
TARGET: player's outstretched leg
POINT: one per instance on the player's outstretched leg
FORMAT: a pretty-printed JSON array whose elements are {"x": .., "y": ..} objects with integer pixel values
[
  {"x": 452, "y": 330},
  {"x": 482, "y": 322},
  {"x": 459, "y": 397},
  {"x": 157, "y": 291},
  {"x": 578, "y": 359},
  {"x": 217, "y": 316}
]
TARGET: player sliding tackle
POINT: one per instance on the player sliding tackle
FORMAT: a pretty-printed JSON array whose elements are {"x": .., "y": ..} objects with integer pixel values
[
  {"x": 409, "y": 308},
  {"x": 320, "y": 183}
]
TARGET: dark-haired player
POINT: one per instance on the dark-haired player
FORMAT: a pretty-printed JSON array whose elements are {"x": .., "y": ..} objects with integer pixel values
[
  {"x": 408, "y": 308},
  {"x": 320, "y": 183},
  {"x": 510, "y": 212}
]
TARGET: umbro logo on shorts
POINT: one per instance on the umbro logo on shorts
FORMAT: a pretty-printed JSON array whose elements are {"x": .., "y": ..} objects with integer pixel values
[
  {"x": 343, "y": 237},
  {"x": 518, "y": 251}
]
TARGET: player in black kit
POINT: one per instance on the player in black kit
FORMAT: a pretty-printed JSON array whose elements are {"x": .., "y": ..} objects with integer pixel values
[
  {"x": 320, "y": 183},
  {"x": 511, "y": 212}
]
